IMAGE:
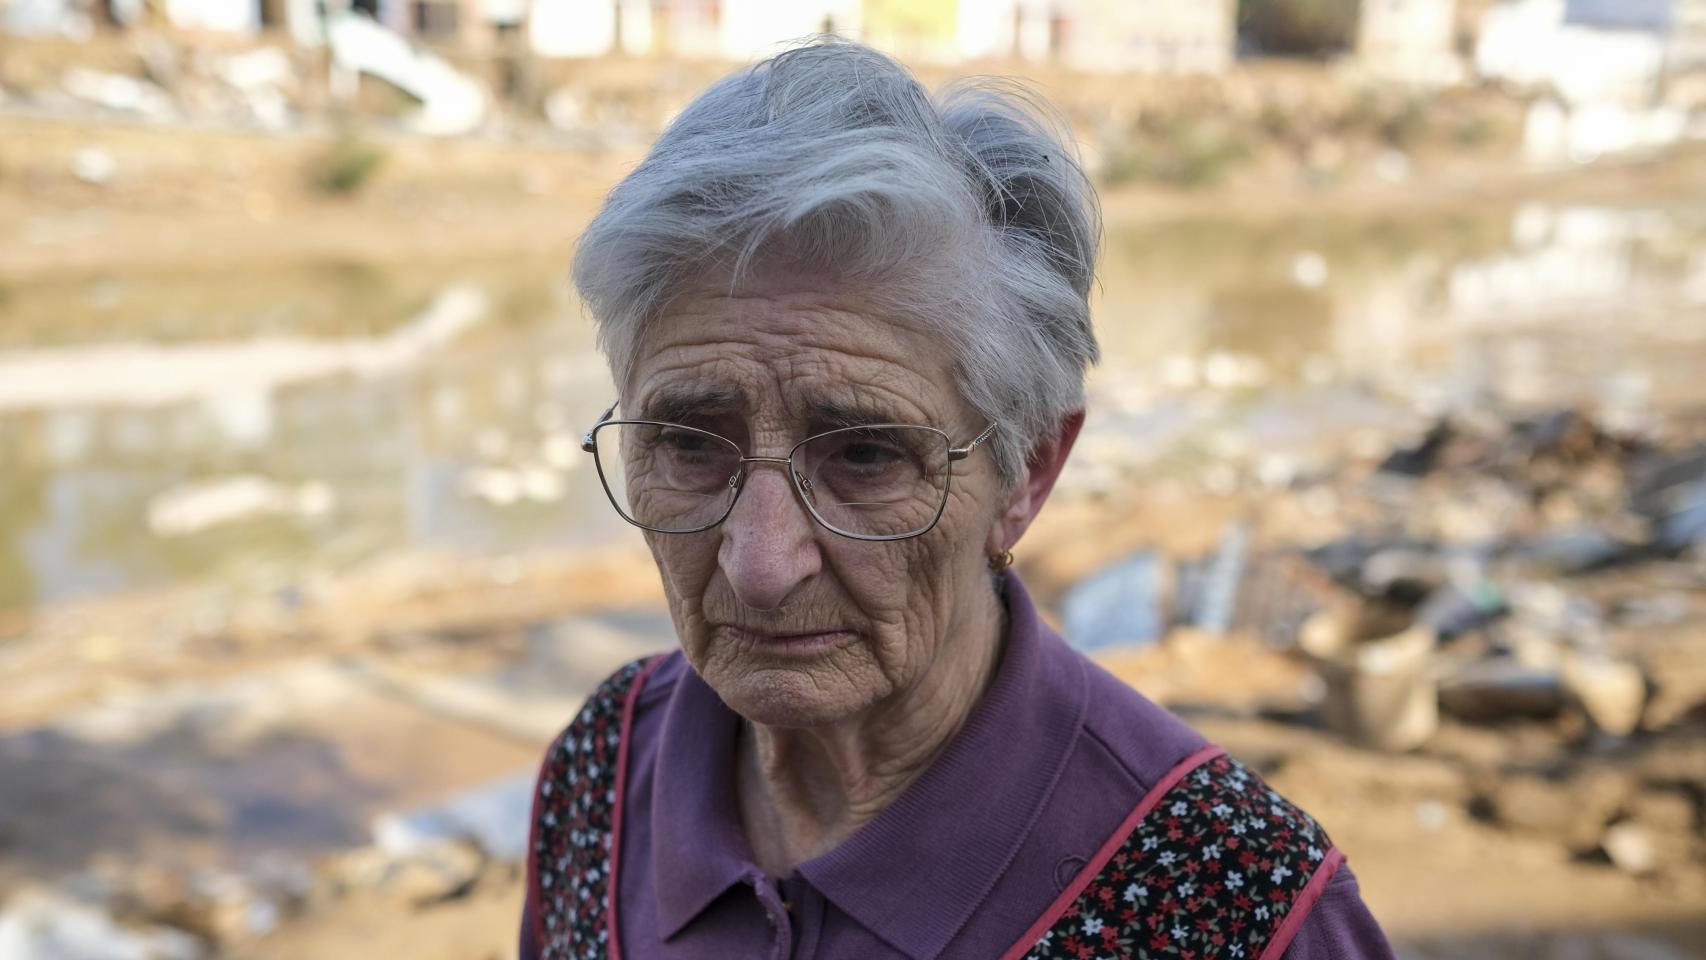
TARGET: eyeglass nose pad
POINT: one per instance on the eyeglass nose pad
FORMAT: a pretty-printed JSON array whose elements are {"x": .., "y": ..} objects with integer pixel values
[{"x": 805, "y": 485}]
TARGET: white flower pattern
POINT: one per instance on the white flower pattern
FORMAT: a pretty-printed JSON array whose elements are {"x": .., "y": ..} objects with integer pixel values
[{"x": 1212, "y": 872}]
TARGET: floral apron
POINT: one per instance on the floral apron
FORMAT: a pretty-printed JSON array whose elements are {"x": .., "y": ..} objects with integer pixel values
[{"x": 1210, "y": 864}]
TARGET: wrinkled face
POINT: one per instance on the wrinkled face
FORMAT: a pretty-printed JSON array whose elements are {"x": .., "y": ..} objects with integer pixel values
[{"x": 791, "y": 624}]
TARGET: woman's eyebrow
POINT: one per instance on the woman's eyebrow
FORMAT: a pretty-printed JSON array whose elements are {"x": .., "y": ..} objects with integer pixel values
[
  {"x": 682, "y": 403},
  {"x": 849, "y": 413}
]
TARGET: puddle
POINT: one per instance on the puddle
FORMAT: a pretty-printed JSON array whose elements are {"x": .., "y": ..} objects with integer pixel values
[{"x": 313, "y": 416}]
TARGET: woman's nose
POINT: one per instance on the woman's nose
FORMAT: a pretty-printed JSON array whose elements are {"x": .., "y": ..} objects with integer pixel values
[{"x": 769, "y": 545}]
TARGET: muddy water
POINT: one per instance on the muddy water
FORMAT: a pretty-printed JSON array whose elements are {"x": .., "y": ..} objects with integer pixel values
[{"x": 164, "y": 428}]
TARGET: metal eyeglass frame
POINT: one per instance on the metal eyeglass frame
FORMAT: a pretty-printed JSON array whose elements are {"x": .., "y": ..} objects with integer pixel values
[{"x": 590, "y": 444}]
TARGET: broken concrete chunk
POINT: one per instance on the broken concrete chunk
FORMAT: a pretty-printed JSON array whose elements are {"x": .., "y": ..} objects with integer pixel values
[
  {"x": 1613, "y": 693},
  {"x": 1631, "y": 847},
  {"x": 493, "y": 816},
  {"x": 1381, "y": 692},
  {"x": 42, "y": 925},
  {"x": 1499, "y": 689}
]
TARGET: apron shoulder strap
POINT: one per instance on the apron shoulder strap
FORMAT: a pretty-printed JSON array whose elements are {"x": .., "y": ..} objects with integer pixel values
[
  {"x": 1212, "y": 863},
  {"x": 575, "y": 850}
]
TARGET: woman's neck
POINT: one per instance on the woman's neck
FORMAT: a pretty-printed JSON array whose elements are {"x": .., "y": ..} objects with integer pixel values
[{"x": 803, "y": 790}]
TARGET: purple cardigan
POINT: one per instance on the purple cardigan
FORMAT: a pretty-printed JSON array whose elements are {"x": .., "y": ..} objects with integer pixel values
[{"x": 960, "y": 866}]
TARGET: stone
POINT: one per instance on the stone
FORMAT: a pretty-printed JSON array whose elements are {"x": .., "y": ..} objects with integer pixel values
[
  {"x": 1613, "y": 693},
  {"x": 493, "y": 817},
  {"x": 435, "y": 873},
  {"x": 46, "y": 925},
  {"x": 1500, "y": 688},
  {"x": 1534, "y": 805},
  {"x": 1631, "y": 846},
  {"x": 1381, "y": 692}
]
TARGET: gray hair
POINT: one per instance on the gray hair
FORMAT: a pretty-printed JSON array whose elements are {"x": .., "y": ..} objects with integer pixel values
[{"x": 967, "y": 212}]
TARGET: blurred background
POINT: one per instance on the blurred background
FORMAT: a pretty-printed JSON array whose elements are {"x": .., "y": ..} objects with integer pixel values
[{"x": 1394, "y": 480}]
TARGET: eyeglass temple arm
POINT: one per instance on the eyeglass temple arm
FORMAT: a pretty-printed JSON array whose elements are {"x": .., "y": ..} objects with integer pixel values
[
  {"x": 960, "y": 453},
  {"x": 587, "y": 443}
]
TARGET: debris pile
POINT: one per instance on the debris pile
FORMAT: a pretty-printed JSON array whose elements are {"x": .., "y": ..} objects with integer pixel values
[
  {"x": 418, "y": 859},
  {"x": 1522, "y": 597}
]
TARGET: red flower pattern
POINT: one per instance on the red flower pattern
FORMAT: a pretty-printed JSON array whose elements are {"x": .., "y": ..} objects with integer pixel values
[
  {"x": 1172, "y": 891},
  {"x": 573, "y": 829}
]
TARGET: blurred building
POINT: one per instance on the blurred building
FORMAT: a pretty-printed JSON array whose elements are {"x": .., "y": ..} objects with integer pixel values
[
  {"x": 928, "y": 29},
  {"x": 1410, "y": 40},
  {"x": 1592, "y": 50},
  {"x": 1149, "y": 36},
  {"x": 1601, "y": 67},
  {"x": 1101, "y": 36}
]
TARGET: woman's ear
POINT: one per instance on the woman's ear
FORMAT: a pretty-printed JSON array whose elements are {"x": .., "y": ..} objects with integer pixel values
[{"x": 1026, "y": 498}]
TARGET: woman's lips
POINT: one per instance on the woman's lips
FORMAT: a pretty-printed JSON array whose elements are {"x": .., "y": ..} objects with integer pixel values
[{"x": 790, "y": 641}]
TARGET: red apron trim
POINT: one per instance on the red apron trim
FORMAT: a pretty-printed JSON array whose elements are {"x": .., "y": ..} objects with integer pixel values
[
  {"x": 1304, "y": 904},
  {"x": 1211, "y": 864},
  {"x": 1052, "y": 915},
  {"x": 621, "y": 788},
  {"x": 575, "y": 827}
]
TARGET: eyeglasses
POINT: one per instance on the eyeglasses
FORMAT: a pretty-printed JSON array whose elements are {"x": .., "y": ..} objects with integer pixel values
[{"x": 884, "y": 481}]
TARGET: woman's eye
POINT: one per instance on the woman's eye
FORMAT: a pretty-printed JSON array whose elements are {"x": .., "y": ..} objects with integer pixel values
[
  {"x": 868, "y": 454},
  {"x": 686, "y": 442}
]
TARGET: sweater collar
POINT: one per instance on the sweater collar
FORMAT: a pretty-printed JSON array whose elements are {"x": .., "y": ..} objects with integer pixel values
[{"x": 916, "y": 872}]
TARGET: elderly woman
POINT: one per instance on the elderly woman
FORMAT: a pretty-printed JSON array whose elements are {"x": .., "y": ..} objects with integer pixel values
[{"x": 849, "y": 328}]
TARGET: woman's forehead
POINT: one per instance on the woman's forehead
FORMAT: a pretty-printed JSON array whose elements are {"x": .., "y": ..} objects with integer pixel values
[
  {"x": 829, "y": 404},
  {"x": 815, "y": 356}
]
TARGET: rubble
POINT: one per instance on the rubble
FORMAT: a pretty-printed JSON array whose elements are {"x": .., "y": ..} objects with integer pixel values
[
  {"x": 1501, "y": 688},
  {"x": 1380, "y": 689},
  {"x": 44, "y": 925},
  {"x": 451, "y": 102},
  {"x": 94, "y": 166},
  {"x": 1631, "y": 847},
  {"x": 1118, "y": 605},
  {"x": 120, "y": 93},
  {"x": 263, "y": 78},
  {"x": 493, "y": 817},
  {"x": 1613, "y": 693},
  {"x": 1514, "y": 596}
]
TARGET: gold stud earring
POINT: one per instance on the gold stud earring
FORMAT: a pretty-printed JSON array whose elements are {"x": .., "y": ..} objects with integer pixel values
[{"x": 1000, "y": 561}]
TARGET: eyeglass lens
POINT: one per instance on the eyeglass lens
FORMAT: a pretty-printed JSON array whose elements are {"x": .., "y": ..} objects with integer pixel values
[{"x": 885, "y": 481}]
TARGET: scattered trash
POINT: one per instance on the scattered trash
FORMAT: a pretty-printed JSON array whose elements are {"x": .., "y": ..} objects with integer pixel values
[
  {"x": 1216, "y": 597},
  {"x": 1452, "y": 610},
  {"x": 1432, "y": 816},
  {"x": 119, "y": 93},
  {"x": 261, "y": 77},
  {"x": 1501, "y": 689},
  {"x": 1380, "y": 689},
  {"x": 1309, "y": 270},
  {"x": 451, "y": 103},
  {"x": 1392, "y": 166},
  {"x": 1613, "y": 693},
  {"x": 1631, "y": 847},
  {"x": 1118, "y": 605},
  {"x": 492, "y": 816},
  {"x": 94, "y": 165},
  {"x": 1423, "y": 457},
  {"x": 1670, "y": 492},
  {"x": 41, "y": 925}
]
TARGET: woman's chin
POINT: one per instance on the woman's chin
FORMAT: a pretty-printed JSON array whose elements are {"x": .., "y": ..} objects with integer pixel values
[{"x": 792, "y": 697}]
